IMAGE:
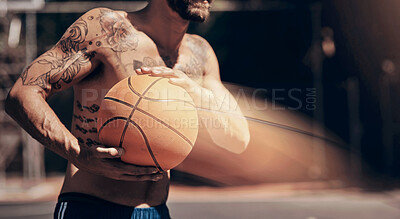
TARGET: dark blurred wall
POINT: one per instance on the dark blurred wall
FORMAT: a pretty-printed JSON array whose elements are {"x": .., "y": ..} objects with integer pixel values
[{"x": 367, "y": 33}]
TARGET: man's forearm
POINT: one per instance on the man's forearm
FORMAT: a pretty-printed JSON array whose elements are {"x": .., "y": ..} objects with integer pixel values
[
  {"x": 223, "y": 119},
  {"x": 32, "y": 112}
]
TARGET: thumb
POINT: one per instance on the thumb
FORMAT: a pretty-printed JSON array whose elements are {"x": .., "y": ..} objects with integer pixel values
[{"x": 109, "y": 152}]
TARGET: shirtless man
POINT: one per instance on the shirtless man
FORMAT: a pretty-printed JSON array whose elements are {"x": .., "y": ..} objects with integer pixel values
[{"x": 101, "y": 48}]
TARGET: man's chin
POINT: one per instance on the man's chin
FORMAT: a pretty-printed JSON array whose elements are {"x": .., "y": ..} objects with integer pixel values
[
  {"x": 197, "y": 15},
  {"x": 190, "y": 10},
  {"x": 198, "y": 19}
]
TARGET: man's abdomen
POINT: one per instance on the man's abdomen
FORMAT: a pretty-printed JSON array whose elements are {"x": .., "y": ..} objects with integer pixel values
[{"x": 129, "y": 193}]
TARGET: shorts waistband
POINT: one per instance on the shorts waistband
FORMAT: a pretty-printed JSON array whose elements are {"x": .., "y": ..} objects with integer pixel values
[
  {"x": 89, "y": 199},
  {"x": 80, "y": 205}
]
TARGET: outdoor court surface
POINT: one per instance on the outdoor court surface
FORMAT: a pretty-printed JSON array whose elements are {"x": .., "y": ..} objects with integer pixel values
[{"x": 312, "y": 200}]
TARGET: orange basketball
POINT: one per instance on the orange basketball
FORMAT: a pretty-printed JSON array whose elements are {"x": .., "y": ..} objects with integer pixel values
[{"x": 154, "y": 121}]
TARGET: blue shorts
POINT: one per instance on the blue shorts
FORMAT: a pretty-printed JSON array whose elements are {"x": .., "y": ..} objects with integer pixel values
[{"x": 78, "y": 205}]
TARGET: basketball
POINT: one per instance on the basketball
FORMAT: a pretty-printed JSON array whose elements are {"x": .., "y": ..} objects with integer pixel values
[{"x": 154, "y": 121}]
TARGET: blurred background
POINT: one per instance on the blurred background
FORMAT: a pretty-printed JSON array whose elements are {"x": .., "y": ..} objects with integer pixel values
[{"x": 317, "y": 80}]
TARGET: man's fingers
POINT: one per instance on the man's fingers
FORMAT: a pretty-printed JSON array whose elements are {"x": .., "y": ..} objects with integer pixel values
[
  {"x": 130, "y": 169},
  {"x": 139, "y": 71},
  {"x": 112, "y": 152},
  {"x": 137, "y": 170},
  {"x": 157, "y": 71},
  {"x": 152, "y": 177},
  {"x": 145, "y": 70},
  {"x": 178, "y": 81},
  {"x": 164, "y": 73},
  {"x": 160, "y": 68}
]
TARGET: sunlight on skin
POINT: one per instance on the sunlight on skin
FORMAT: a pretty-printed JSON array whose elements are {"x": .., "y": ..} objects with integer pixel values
[{"x": 281, "y": 148}]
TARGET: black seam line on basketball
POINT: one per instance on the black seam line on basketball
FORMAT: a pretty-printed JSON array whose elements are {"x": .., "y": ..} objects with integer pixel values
[
  {"x": 110, "y": 120},
  {"x": 143, "y": 135},
  {"x": 119, "y": 101},
  {"x": 165, "y": 124},
  {"x": 153, "y": 117},
  {"x": 147, "y": 144},
  {"x": 157, "y": 100},
  {"x": 134, "y": 108}
]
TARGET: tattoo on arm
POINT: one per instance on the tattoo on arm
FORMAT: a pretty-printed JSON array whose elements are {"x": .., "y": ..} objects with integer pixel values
[
  {"x": 120, "y": 35},
  {"x": 74, "y": 37},
  {"x": 64, "y": 67}
]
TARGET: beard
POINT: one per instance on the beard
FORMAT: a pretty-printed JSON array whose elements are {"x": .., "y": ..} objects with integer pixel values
[{"x": 192, "y": 10}]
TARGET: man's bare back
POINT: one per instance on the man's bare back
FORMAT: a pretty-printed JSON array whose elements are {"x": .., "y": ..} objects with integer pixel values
[{"x": 100, "y": 49}]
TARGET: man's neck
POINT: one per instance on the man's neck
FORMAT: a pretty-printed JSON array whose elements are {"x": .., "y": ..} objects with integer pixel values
[{"x": 164, "y": 26}]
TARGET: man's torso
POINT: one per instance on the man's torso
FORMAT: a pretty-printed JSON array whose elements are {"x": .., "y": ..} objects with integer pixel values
[{"x": 120, "y": 49}]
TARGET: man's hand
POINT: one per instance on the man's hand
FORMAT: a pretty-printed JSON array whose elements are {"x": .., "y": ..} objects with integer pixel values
[
  {"x": 230, "y": 129},
  {"x": 176, "y": 77},
  {"x": 102, "y": 161}
]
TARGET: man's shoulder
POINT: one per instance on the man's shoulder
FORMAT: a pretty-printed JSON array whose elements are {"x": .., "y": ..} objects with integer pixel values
[
  {"x": 196, "y": 39},
  {"x": 102, "y": 21},
  {"x": 96, "y": 15},
  {"x": 198, "y": 42},
  {"x": 101, "y": 11}
]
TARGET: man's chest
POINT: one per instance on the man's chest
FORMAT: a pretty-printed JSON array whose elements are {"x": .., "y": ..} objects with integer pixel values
[
  {"x": 185, "y": 62},
  {"x": 117, "y": 65}
]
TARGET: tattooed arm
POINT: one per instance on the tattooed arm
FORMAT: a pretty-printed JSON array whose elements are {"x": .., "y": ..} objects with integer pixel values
[
  {"x": 70, "y": 60},
  {"x": 55, "y": 70}
]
